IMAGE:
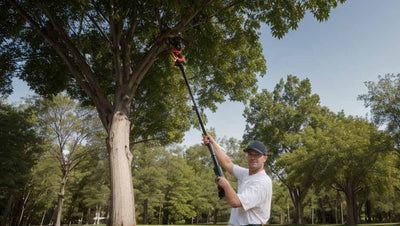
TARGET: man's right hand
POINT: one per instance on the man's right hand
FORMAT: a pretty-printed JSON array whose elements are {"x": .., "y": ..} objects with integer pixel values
[
  {"x": 222, "y": 158},
  {"x": 207, "y": 139}
]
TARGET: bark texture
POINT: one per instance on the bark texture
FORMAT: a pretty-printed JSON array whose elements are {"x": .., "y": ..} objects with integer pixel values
[
  {"x": 351, "y": 217},
  {"x": 121, "y": 176},
  {"x": 297, "y": 197}
]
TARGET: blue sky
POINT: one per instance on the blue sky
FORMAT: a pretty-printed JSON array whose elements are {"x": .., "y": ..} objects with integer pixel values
[{"x": 360, "y": 41}]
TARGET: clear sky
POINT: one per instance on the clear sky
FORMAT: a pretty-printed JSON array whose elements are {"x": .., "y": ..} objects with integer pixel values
[{"x": 360, "y": 41}]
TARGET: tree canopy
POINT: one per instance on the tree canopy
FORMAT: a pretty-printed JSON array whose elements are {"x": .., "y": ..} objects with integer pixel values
[{"x": 95, "y": 49}]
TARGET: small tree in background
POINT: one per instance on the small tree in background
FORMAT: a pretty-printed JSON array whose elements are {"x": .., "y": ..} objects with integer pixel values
[{"x": 67, "y": 127}]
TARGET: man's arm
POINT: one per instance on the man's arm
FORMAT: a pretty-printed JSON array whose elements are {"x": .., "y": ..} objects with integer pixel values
[
  {"x": 222, "y": 158},
  {"x": 230, "y": 195}
]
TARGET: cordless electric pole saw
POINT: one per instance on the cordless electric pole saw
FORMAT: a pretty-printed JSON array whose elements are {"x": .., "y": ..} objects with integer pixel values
[{"x": 179, "y": 62}]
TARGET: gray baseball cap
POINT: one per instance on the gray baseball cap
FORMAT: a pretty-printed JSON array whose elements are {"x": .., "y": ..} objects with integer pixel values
[{"x": 256, "y": 146}]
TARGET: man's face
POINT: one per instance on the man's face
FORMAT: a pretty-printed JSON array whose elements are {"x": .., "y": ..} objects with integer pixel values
[{"x": 255, "y": 160}]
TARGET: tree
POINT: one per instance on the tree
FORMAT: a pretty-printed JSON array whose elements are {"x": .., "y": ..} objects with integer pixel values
[
  {"x": 179, "y": 190},
  {"x": 19, "y": 153},
  {"x": 150, "y": 182},
  {"x": 67, "y": 126},
  {"x": 206, "y": 201},
  {"x": 280, "y": 203},
  {"x": 352, "y": 151},
  {"x": 383, "y": 98},
  {"x": 277, "y": 118},
  {"x": 381, "y": 200},
  {"x": 112, "y": 54}
]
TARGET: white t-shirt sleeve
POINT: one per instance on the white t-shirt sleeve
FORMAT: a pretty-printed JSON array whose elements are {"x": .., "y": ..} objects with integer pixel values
[
  {"x": 240, "y": 172},
  {"x": 253, "y": 194}
]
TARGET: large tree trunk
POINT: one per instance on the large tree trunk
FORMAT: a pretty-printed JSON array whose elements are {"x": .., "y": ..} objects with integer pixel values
[
  {"x": 297, "y": 197},
  {"x": 351, "y": 217},
  {"x": 123, "y": 208},
  {"x": 61, "y": 199},
  {"x": 298, "y": 207}
]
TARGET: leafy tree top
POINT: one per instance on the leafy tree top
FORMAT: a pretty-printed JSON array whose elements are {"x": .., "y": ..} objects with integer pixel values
[{"x": 114, "y": 53}]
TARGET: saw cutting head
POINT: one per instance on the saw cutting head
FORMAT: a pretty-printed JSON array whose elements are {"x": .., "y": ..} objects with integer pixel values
[{"x": 178, "y": 45}]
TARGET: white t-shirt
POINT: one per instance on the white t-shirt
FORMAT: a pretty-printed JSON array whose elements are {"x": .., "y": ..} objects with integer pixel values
[{"x": 255, "y": 194}]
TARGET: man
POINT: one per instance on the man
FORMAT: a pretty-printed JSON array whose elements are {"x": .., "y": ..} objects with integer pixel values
[{"x": 252, "y": 202}]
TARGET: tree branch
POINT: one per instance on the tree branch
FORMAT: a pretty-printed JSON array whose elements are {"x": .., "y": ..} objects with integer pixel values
[
  {"x": 85, "y": 78},
  {"x": 116, "y": 34},
  {"x": 99, "y": 29},
  {"x": 99, "y": 12},
  {"x": 127, "y": 48},
  {"x": 46, "y": 36},
  {"x": 216, "y": 12},
  {"x": 158, "y": 46}
]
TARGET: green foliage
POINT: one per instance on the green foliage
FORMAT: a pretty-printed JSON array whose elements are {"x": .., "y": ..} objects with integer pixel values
[
  {"x": 286, "y": 110},
  {"x": 19, "y": 143},
  {"x": 205, "y": 191},
  {"x": 352, "y": 150},
  {"x": 19, "y": 152},
  {"x": 160, "y": 110},
  {"x": 383, "y": 98},
  {"x": 149, "y": 180},
  {"x": 280, "y": 203},
  {"x": 67, "y": 128},
  {"x": 385, "y": 190},
  {"x": 176, "y": 186},
  {"x": 311, "y": 146},
  {"x": 98, "y": 53},
  {"x": 44, "y": 187},
  {"x": 89, "y": 186}
]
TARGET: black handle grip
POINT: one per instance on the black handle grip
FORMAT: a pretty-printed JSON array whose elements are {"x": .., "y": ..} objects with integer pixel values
[{"x": 221, "y": 192}]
